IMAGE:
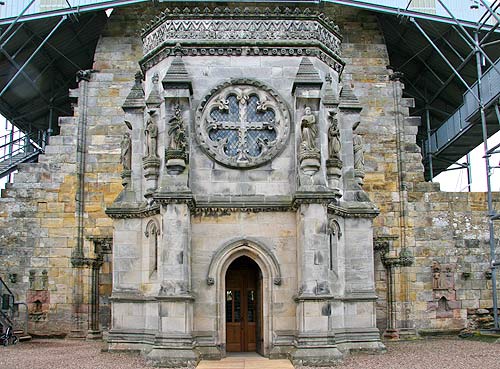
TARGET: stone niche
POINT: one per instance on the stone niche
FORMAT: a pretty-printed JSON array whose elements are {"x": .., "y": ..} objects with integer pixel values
[{"x": 240, "y": 160}]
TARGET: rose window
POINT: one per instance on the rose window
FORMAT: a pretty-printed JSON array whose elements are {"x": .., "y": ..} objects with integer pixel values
[{"x": 242, "y": 125}]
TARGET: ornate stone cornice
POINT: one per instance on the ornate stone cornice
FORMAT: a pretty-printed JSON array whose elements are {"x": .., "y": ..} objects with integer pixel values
[
  {"x": 129, "y": 212},
  {"x": 225, "y": 205},
  {"x": 353, "y": 211},
  {"x": 277, "y": 32}
]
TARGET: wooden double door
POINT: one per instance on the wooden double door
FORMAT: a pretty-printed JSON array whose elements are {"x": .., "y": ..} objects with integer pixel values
[{"x": 243, "y": 306}]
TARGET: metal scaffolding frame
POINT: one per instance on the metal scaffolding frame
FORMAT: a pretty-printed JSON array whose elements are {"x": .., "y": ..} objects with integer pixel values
[{"x": 41, "y": 57}]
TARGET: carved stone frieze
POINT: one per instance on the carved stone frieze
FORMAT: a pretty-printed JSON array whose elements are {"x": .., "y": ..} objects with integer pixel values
[
  {"x": 250, "y": 50},
  {"x": 245, "y": 13},
  {"x": 242, "y": 123},
  {"x": 291, "y": 28}
]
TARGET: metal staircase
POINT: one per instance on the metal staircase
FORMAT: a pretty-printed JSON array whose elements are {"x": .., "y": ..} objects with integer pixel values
[
  {"x": 18, "y": 150},
  {"x": 9, "y": 313}
]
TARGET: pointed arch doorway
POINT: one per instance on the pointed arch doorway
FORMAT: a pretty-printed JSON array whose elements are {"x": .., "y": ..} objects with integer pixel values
[{"x": 243, "y": 306}]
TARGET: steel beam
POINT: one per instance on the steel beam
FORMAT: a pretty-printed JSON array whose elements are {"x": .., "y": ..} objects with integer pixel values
[
  {"x": 63, "y": 18},
  {"x": 444, "y": 58},
  {"x": 451, "y": 78},
  {"x": 19, "y": 68},
  {"x": 474, "y": 44},
  {"x": 14, "y": 22},
  {"x": 488, "y": 186},
  {"x": 429, "y": 151}
]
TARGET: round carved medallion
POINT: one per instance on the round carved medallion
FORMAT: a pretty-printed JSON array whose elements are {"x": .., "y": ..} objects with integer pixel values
[{"x": 242, "y": 124}]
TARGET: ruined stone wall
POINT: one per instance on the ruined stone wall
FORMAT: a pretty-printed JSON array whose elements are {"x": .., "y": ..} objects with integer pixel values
[
  {"x": 449, "y": 228},
  {"x": 38, "y": 226}
]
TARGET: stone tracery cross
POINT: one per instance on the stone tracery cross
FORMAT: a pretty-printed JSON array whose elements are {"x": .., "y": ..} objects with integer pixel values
[{"x": 244, "y": 126}]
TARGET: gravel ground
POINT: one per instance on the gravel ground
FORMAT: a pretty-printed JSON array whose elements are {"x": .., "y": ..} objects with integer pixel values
[{"x": 436, "y": 353}]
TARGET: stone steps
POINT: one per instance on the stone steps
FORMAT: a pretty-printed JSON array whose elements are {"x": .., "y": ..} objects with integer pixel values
[{"x": 245, "y": 361}]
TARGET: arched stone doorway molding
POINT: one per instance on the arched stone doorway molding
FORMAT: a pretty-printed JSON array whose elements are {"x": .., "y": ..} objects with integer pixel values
[{"x": 271, "y": 278}]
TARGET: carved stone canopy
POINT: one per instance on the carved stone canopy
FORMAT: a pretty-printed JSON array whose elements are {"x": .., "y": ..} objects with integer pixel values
[{"x": 242, "y": 124}]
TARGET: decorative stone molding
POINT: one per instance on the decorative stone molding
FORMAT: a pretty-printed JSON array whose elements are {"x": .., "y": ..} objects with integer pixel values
[
  {"x": 242, "y": 123},
  {"x": 254, "y": 247},
  {"x": 152, "y": 229},
  {"x": 334, "y": 228},
  {"x": 353, "y": 212},
  {"x": 239, "y": 28},
  {"x": 250, "y": 50},
  {"x": 245, "y": 13}
]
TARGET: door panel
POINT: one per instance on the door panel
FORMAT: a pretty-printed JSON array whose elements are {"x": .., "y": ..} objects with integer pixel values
[{"x": 242, "y": 311}]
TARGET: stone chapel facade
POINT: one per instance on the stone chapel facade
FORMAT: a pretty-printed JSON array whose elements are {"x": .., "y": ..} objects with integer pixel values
[
  {"x": 250, "y": 168},
  {"x": 241, "y": 179}
]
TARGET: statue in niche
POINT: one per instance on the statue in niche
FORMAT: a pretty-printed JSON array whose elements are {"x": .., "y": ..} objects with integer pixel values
[
  {"x": 359, "y": 158},
  {"x": 126, "y": 151},
  {"x": 151, "y": 135},
  {"x": 334, "y": 144},
  {"x": 436, "y": 275},
  {"x": 309, "y": 130},
  {"x": 176, "y": 132}
]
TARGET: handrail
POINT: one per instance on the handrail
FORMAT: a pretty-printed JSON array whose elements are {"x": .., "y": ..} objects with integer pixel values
[
  {"x": 12, "y": 308},
  {"x": 6, "y": 287},
  {"x": 12, "y": 148}
]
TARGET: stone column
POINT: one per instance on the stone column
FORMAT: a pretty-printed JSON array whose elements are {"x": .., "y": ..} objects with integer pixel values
[
  {"x": 174, "y": 344},
  {"x": 315, "y": 340}
]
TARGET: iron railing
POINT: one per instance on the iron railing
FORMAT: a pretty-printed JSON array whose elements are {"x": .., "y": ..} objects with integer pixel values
[
  {"x": 18, "y": 147},
  {"x": 9, "y": 308}
]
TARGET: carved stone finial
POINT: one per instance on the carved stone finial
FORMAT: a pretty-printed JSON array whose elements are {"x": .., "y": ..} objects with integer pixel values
[
  {"x": 135, "y": 98},
  {"x": 329, "y": 98},
  {"x": 348, "y": 99},
  {"x": 307, "y": 76},
  {"x": 154, "y": 100},
  {"x": 177, "y": 76}
]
